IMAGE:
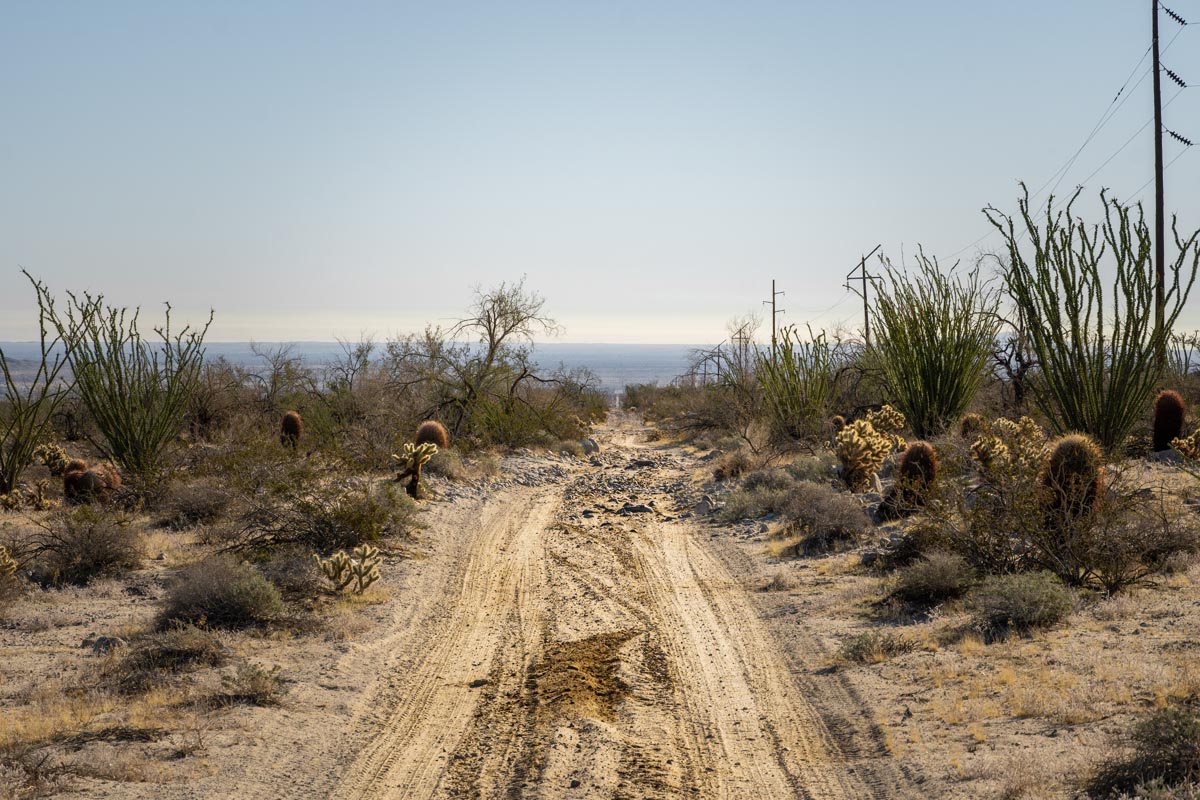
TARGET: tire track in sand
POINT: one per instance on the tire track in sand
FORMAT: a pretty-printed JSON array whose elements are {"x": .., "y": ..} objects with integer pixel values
[{"x": 432, "y": 710}]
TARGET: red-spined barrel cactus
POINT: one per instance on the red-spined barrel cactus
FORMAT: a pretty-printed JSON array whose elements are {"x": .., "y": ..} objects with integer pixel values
[
  {"x": 433, "y": 432},
  {"x": 82, "y": 484},
  {"x": 916, "y": 472},
  {"x": 1169, "y": 410},
  {"x": 291, "y": 429}
]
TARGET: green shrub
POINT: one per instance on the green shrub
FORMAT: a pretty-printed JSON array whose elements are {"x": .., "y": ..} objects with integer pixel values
[
  {"x": 933, "y": 579},
  {"x": 933, "y": 341},
  {"x": 221, "y": 592},
  {"x": 1020, "y": 602},
  {"x": 1099, "y": 366}
]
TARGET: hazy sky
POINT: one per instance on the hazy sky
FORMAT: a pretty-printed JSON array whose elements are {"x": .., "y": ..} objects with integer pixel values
[{"x": 321, "y": 169}]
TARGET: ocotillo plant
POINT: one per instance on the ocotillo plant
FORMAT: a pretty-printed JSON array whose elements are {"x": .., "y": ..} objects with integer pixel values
[
  {"x": 1099, "y": 365},
  {"x": 1169, "y": 411},
  {"x": 934, "y": 341}
]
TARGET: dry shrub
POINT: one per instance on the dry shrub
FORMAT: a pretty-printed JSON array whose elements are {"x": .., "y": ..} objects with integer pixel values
[
  {"x": 80, "y": 544},
  {"x": 253, "y": 685},
  {"x": 449, "y": 465},
  {"x": 1020, "y": 603},
  {"x": 292, "y": 570},
  {"x": 221, "y": 592},
  {"x": 873, "y": 647},
  {"x": 732, "y": 464},
  {"x": 152, "y": 660},
  {"x": 825, "y": 519},
  {"x": 191, "y": 504},
  {"x": 339, "y": 515},
  {"x": 934, "y": 579},
  {"x": 1163, "y": 758}
]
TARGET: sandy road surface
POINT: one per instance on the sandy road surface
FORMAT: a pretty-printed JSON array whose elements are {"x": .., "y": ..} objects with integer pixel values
[{"x": 592, "y": 641}]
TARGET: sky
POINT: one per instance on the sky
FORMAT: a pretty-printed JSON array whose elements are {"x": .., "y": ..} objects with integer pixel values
[{"x": 313, "y": 170}]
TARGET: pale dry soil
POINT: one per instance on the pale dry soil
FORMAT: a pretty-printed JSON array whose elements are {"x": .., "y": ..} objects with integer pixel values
[
  {"x": 545, "y": 639},
  {"x": 550, "y": 641}
]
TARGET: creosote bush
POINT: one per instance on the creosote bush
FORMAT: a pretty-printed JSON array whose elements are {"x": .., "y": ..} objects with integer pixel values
[
  {"x": 155, "y": 658},
  {"x": 221, "y": 592},
  {"x": 826, "y": 520},
  {"x": 1163, "y": 758}
]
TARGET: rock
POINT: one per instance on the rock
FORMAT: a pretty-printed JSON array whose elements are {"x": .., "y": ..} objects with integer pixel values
[
  {"x": 1165, "y": 457},
  {"x": 706, "y": 506},
  {"x": 629, "y": 508},
  {"x": 590, "y": 446}
]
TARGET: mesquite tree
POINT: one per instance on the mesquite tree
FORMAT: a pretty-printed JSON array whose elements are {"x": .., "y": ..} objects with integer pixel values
[{"x": 1098, "y": 360}]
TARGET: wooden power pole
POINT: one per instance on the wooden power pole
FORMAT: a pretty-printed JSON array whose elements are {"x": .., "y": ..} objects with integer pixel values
[
  {"x": 1159, "y": 224},
  {"x": 864, "y": 276},
  {"x": 774, "y": 313}
]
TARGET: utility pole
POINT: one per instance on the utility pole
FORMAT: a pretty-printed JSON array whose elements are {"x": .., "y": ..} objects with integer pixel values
[
  {"x": 863, "y": 276},
  {"x": 1159, "y": 225},
  {"x": 774, "y": 313}
]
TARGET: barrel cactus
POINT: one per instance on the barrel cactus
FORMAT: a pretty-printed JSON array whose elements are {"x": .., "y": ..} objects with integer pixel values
[
  {"x": 1169, "y": 410},
  {"x": 1071, "y": 476},
  {"x": 291, "y": 428},
  {"x": 915, "y": 474},
  {"x": 433, "y": 432}
]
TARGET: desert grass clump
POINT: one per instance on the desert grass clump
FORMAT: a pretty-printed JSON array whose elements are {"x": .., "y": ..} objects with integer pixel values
[
  {"x": 915, "y": 475},
  {"x": 1021, "y": 602},
  {"x": 196, "y": 503},
  {"x": 934, "y": 341},
  {"x": 873, "y": 647},
  {"x": 253, "y": 685},
  {"x": 154, "y": 659},
  {"x": 433, "y": 432},
  {"x": 1098, "y": 365},
  {"x": 76, "y": 546},
  {"x": 1169, "y": 411},
  {"x": 291, "y": 428},
  {"x": 861, "y": 449},
  {"x": 221, "y": 592}
]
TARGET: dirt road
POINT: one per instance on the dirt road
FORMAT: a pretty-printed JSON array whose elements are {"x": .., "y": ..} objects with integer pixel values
[{"x": 594, "y": 641}]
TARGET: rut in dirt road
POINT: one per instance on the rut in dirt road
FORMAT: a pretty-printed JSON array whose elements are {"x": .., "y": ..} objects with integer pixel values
[{"x": 598, "y": 647}]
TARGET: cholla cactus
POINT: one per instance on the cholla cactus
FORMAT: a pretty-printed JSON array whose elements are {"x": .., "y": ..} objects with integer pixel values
[
  {"x": 54, "y": 457},
  {"x": 1188, "y": 446},
  {"x": 888, "y": 421},
  {"x": 410, "y": 462},
  {"x": 1012, "y": 449},
  {"x": 28, "y": 497},
  {"x": 360, "y": 568},
  {"x": 8, "y": 564},
  {"x": 861, "y": 450},
  {"x": 973, "y": 425}
]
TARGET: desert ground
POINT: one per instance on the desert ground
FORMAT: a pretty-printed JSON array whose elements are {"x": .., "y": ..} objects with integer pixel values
[{"x": 576, "y": 627}]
